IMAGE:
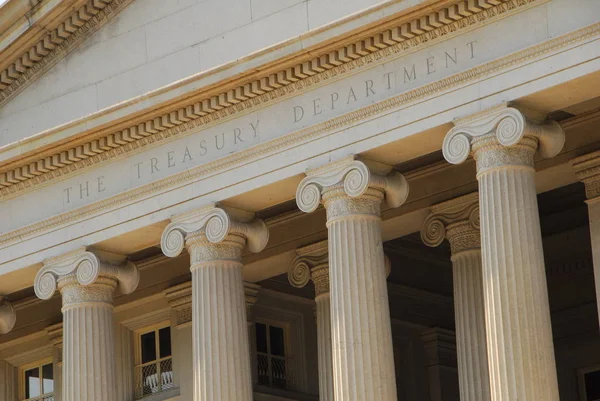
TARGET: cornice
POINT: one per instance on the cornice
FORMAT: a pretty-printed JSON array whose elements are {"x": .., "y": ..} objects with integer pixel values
[
  {"x": 56, "y": 42},
  {"x": 264, "y": 150},
  {"x": 392, "y": 42}
]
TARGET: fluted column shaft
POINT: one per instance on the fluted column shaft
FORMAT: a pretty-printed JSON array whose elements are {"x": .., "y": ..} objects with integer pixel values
[
  {"x": 9, "y": 382},
  {"x": 86, "y": 281},
  {"x": 220, "y": 331},
  {"x": 214, "y": 240},
  {"x": 312, "y": 262},
  {"x": 88, "y": 340},
  {"x": 473, "y": 374},
  {"x": 361, "y": 332},
  {"x": 458, "y": 221},
  {"x": 503, "y": 141},
  {"x": 320, "y": 276},
  {"x": 323, "y": 302},
  {"x": 519, "y": 333}
]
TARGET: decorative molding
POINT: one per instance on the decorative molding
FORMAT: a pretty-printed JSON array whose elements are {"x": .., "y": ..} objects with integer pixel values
[
  {"x": 8, "y": 316},
  {"x": 141, "y": 322},
  {"x": 457, "y": 220},
  {"x": 215, "y": 223},
  {"x": 55, "y": 334},
  {"x": 180, "y": 300},
  {"x": 587, "y": 168},
  {"x": 275, "y": 145},
  {"x": 56, "y": 44},
  {"x": 87, "y": 268},
  {"x": 251, "y": 291},
  {"x": 31, "y": 356},
  {"x": 356, "y": 178},
  {"x": 508, "y": 125},
  {"x": 402, "y": 39}
]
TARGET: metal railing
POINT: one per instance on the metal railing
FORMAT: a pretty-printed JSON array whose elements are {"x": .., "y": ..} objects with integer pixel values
[
  {"x": 154, "y": 377},
  {"x": 274, "y": 371},
  {"x": 45, "y": 397}
]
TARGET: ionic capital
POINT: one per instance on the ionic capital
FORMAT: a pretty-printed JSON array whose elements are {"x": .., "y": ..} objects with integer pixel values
[
  {"x": 179, "y": 298},
  {"x": 311, "y": 262},
  {"x": 84, "y": 267},
  {"x": 456, "y": 220},
  {"x": 587, "y": 168},
  {"x": 214, "y": 225},
  {"x": 8, "y": 316},
  {"x": 497, "y": 128},
  {"x": 352, "y": 178}
]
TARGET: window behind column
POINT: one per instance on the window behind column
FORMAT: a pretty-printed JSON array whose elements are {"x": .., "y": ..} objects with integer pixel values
[
  {"x": 154, "y": 365},
  {"x": 37, "y": 381},
  {"x": 273, "y": 368}
]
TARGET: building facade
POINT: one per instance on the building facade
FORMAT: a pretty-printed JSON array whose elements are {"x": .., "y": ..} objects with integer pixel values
[{"x": 299, "y": 200}]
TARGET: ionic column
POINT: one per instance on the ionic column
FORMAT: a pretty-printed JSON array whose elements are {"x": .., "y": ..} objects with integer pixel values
[
  {"x": 312, "y": 263},
  {"x": 363, "y": 363},
  {"x": 86, "y": 282},
  {"x": 458, "y": 221},
  {"x": 517, "y": 313},
  {"x": 251, "y": 296},
  {"x": 588, "y": 171},
  {"x": 8, "y": 316},
  {"x": 55, "y": 333},
  {"x": 214, "y": 240}
]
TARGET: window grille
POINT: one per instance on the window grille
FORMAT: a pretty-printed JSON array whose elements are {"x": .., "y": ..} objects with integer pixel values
[
  {"x": 272, "y": 363},
  {"x": 38, "y": 383},
  {"x": 154, "y": 373}
]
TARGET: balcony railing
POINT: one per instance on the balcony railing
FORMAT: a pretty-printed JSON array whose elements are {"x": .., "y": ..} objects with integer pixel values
[
  {"x": 154, "y": 377},
  {"x": 274, "y": 371},
  {"x": 45, "y": 397}
]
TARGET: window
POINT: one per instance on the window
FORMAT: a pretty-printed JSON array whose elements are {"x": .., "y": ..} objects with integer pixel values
[
  {"x": 592, "y": 385},
  {"x": 154, "y": 370},
  {"x": 271, "y": 356},
  {"x": 38, "y": 383}
]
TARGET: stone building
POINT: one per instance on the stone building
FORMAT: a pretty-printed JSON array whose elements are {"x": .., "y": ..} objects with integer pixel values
[{"x": 270, "y": 200}]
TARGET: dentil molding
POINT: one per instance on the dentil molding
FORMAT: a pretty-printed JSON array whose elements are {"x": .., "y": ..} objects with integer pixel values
[
  {"x": 21, "y": 180},
  {"x": 87, "y": 267},
  {"x": 407, "y": 36},
  {"x": 55, "y": 44}
]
